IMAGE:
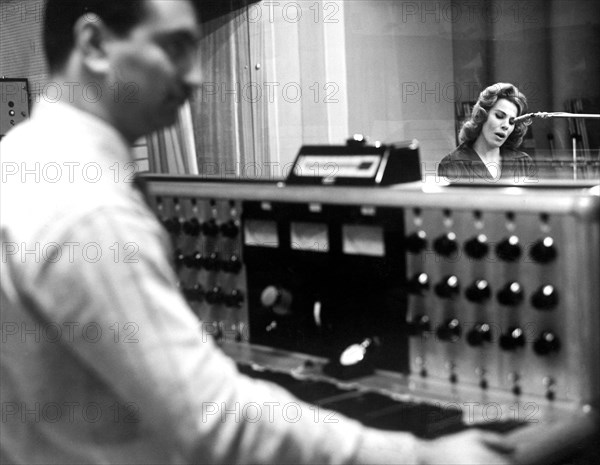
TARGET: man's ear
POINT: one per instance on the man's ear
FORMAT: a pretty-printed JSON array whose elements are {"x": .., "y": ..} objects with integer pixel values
[{"x": 91, "y": 35}]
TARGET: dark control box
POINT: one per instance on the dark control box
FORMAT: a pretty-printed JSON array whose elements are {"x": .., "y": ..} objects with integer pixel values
[
  {"x": 459, "y": 306},
  {"x": 323, "y": 277},
  {"x": 357, "y": 164},
  {"x": 14, "y": 103}
]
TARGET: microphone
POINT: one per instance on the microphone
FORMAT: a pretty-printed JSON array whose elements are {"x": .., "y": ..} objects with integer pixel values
[{"x": 558, "y": 114}]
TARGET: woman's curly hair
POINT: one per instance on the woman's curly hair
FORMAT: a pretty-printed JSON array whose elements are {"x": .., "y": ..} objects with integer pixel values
[{"x": 487, "y": 99}]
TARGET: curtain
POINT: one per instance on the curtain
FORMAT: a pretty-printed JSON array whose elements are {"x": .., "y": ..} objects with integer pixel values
[
  {"x": 173, "y": 150},
  {"x": 222, "y": 108}
]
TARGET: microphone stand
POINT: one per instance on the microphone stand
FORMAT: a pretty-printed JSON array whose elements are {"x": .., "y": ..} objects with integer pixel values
[{"x": 559, "y": 114}]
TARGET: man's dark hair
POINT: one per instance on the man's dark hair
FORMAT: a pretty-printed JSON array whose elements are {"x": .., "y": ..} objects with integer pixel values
[{"x": 61, "y": 15}]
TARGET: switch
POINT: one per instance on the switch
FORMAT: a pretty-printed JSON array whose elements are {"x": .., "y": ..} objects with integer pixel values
[
  {"x": 416, "y": 242},
  {"x": 172, "y": 225},
  {"x": 214, "y": 296},
  {"x": 194, "y": 294},
  {"x": 193, "y": 261},
  {"x": 234, "y": 299},
  {"x": 230, "y": 229},
  {"x": 546, "y": 344},
  {"x": 277, "y": 299},
  {"x": 191, "y": 227},
  {"x": 477, "y": 247},
  {"x": 419, "y": 325},
  {"x": 480, "y": 333},
  {"x": 179, "y": 258},
  {"x": 212, "y": 262},
  {"x": 543, "y": 251},
  {"x": 233, "y": 265},
  {"x": 509, "y": 249},
  {"x": 513, "y": 339},
  {"x": 450, "y": 331},
  {"x": 479, "y": 291},
  {"x": 448, "y": 287},
  {"x": 446, "y": 245},
  {"x": 511, "y": 294},
  {"x": 545, "y": 298},
  {"x": 418, "y": 284},
  {"x": 210, "y": 228}
]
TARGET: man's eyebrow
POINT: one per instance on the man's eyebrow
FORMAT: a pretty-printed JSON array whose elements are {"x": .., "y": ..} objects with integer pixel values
[{"x": 180, "y": 35}]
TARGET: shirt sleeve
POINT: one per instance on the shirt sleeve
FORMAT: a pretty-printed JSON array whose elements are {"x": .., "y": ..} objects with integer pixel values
[{"x": 188, "y": 394}]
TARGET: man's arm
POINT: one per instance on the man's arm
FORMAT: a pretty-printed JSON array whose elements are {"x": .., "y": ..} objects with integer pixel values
[{"x": 185, "y": 389}]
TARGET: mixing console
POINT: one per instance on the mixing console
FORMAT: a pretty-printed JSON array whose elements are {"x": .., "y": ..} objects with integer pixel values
[{"x": 423, "y": 307}]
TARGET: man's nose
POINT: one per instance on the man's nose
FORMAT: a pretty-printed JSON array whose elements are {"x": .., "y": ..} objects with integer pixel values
[{"x": 193, "y": 75}]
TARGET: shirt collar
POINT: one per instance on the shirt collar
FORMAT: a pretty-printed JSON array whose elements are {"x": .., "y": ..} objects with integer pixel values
[{"x": 84, "y": 126}]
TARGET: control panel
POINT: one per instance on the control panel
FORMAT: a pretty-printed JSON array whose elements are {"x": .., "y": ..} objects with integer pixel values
[
  {"x": 418, "y": 307},
  {"x": 14, "y": 103},
  {"x": 498, "y": 298},
  {"x": 206, "y": 236},
  {"x": 489, "y": 290}
]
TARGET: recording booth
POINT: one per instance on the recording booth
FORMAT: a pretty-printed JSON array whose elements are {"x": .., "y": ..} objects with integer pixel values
[
  {"x": 407, "y": 305},
  {"x": 351, "y": 274}
]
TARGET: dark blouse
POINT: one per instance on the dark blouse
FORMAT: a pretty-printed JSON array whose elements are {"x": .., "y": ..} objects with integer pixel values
[{"x": 464, "y": 165}]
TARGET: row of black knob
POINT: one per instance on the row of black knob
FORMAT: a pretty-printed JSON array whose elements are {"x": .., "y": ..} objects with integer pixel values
[
  {"x": 512, "y": 339},
  {"x": 212, "y": 262},
  {"x": 214, "y": 296},
  {"x": 193, "y": 227},
  {"x": 478, "y": 247},
  {"x": 546, "y": 297}
]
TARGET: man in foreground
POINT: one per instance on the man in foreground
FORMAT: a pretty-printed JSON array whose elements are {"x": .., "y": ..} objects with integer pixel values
[{"x": 101, "y": 360}]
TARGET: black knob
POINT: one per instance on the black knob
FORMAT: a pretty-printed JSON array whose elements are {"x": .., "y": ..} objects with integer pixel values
[
  {"x": 477, "y": 247},
  {"x": 230, "y": 229},
  {"x": 511, "y": 294},
  {"x": 233, "y": 265},
  {"x": 546, "y": 344},
  {"x": 214, "y": 296},
  {"x": 195, "y": 261},
  {"x": 448, "y": 287},
  {"x": 210, "y": 228},
  {"x": 513, "y": 339},
  {"x": 545, "y": 298},
  {"x": 218, "y": 334},
  {"x": 478, "y": 291},
  {"x": 480, "y": 333},
  {"x": 509, "y": 249},
  {"x": 234, "y": 299},
  {"x": 543, "y": 251},
  {"x": 450, "y": 331},
  {"x": 194, "y": 294},
  {"x": 416, "y": 242},
  {"x": 418, "y": 284},
  {"x": 212, "y": 262},
  {"x": 191, "y": 227},
  {"x": 278, "y": 299},
  {"x": 446, "y": 245},
  {"x": 179, "y": 258},
  {"x": 419, "y": 325},
  {"x": 172, "y": 225}
]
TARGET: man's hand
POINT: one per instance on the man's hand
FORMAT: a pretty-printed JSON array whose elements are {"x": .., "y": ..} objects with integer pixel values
[{"x": 474, "y": 447}]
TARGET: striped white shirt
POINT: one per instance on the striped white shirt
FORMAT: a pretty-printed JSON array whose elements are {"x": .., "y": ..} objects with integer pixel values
[{"x": 101, "y": 359}]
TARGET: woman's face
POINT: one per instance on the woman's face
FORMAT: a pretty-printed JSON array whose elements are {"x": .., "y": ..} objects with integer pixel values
[{"x": 500, "y": 123}]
